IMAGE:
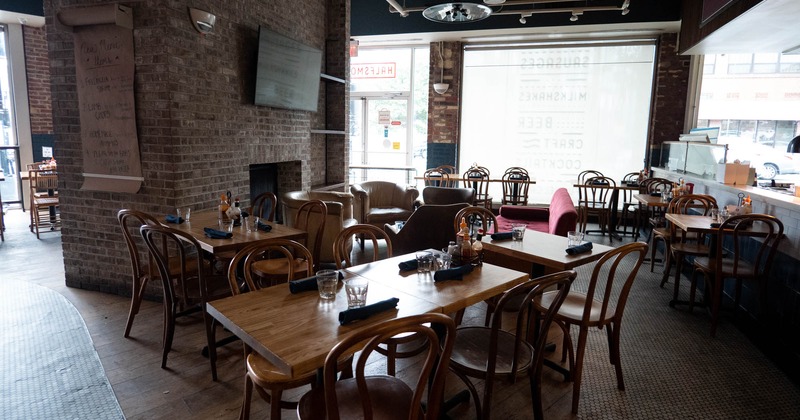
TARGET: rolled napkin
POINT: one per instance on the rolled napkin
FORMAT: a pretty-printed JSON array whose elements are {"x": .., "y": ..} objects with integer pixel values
[
  {"x": 217, "y": 234},
  {"x": 171, "y": 218},
  {"x": 499, "y": 236},
  {"x": 307, "y": 284},
  {"x": 655, "y": 194},
  {"x": 579, "y": 249},
  {"x": 452, "y": 273},
  {"x": 408, "y": 265},
  {"x": 263, "y": 227},
  {"x": 364, "y": 312}
]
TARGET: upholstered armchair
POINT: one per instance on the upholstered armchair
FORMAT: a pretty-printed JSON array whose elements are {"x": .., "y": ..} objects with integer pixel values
[
  {"x": 380, "y": 202},
  {"x": 431, "y": 226},
  {"x": 340, "y": 215},
  {"x": 445, "y": 195}
]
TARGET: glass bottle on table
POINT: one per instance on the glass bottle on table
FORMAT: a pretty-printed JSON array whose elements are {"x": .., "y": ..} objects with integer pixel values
[{"x": 224, "y": 205}]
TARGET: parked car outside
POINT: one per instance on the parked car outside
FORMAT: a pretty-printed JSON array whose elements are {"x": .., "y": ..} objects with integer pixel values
[{"x": 775, "y": 162}]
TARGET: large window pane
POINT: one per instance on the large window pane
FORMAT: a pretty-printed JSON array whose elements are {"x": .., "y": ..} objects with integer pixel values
[{"x": 556, "y": 112}]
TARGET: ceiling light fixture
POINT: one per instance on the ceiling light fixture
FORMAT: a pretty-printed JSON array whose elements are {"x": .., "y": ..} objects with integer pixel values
[
  {"x": 463, "y": 12},
  {"x": 457, "y": 12}
]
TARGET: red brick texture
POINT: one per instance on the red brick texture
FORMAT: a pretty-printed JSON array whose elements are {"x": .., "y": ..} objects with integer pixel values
[{"x": 37, "y": 68}]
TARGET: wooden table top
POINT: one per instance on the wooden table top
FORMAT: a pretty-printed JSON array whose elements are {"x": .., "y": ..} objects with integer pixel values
[
  {"x": 296, "y": 331},
  {"x": 650, "y": 201},
  {"x": 459, "y": 178},
  {"x": 545, "y": 249},
  {"x": 697, "y": 223},
  {"x": 241, "y": 237},
  {"x": 483, "y": 282}
]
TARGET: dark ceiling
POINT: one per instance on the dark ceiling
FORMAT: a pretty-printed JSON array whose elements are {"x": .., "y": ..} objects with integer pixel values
[{"x": 372, "y": 17}]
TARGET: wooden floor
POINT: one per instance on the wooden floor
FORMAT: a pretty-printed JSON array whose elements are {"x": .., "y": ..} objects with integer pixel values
[{"x": 185, "y": 390}]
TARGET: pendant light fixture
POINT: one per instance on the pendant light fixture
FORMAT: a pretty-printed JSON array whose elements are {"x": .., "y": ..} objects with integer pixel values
[{"x": 441, "y": 87}]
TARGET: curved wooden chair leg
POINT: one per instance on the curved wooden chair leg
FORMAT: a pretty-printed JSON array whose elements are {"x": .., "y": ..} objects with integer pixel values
[
  {"x": 577, "y": 370},
  {"x": 244, "y": 413}
]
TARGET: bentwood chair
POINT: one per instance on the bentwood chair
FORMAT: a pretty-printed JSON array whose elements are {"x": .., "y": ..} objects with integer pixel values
[
  {"x": 488, "y": 353},
  {"x": 342, "y": 252},
  {"x": 143, "y": 270},
  {"x": 595, "y": 198},
  {"x": 261, "y": 374},
  {"x": 169, "y": 248},
  {"x": 738, "y": 255},
  {"x": 601, "y": 305},
  {"x": 438, "y": 177},
  {"x": 264, "y": 206},
  {"x": 515, "y": 186},
  {"x": 628, "y": 206},
  {"x": 476, "y": 215},
  {"x": 311, "y": 219},
  {"x": 682, "y": 244},
  {"x": 477, "y": 177},
  {"x": 384, "y": 397},
  {"x": 655, "y": 217}
]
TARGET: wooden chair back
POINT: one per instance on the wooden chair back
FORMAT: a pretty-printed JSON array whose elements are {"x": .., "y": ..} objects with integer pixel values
[
  {"x": 437, "y": 177},
  {"x": 612, "y": 289},
  {"x": 515, "y": 186},
  {"x": 341, "y": 251},
  {"x": 264, "y": 206},
  {"x": 487, "y": 219},
  {"x": 477, "y": 177},
  {"x": 439, "y": 333},
  {"x": 735, "y": 239},
  {"x": 701, "y": 204},
  {"x": 240, "y": 274}
]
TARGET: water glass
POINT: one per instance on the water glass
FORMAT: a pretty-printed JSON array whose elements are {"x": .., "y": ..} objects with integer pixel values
[
  {"x": 424, "y": 262},
  {"x": 184, "y": 212},
  {"x": 574, "y": 238},
  {"x": 226, "y": 225},
  {"x": 518, "y": 231},
  {"x": 356, "y": 289},
  {"x": 326, "y": 283},
  {"x": 714, "y": 215},
  {"x": 443, "y": 261}
]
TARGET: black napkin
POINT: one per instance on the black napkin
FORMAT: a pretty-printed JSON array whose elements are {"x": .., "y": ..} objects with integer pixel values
[
  {"x": 306, "y": 284},
  {"x": 408, "y": 265},
  {"x": 367, "y": 311},
  {"x": 579, "y": 249},
  {"x": 171, "y": 218},
  {"x": 263, "y": 226},
  {"x": 499, "y": 236},
  {"x": 452, "y": 273},
  {"x": 655, "y": 194},
  {"x": 217, "y": 234}
]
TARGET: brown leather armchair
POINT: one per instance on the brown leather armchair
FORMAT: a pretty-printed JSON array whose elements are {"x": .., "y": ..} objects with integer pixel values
[
  {"x": 380, "y": 202},
  {"x": 431, "y": 226},
  {"x": 340, "y": 215}
]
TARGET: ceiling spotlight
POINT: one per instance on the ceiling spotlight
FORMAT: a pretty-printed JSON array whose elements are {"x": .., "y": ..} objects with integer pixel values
[
  {"x": 202, "y": 21},
  {"x": 625, "y": 11},
  {"x": 522, "y": 20},
  {"x": 573, "y": 18}
]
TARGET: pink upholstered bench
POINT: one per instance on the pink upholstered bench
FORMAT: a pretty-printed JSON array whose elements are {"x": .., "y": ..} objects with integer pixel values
[{"x": 558, "y": 219}]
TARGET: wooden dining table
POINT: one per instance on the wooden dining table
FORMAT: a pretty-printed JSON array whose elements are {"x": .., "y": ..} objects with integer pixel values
[
  {"x": 538, "y": 248},
  {"x": 702, "y": 224},
  {"x": 241, "y": 236},
  {"x": 296, "y": 331}
]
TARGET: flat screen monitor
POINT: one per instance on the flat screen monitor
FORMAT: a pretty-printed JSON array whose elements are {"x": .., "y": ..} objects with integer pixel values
[{"x": 287, "y": 73}]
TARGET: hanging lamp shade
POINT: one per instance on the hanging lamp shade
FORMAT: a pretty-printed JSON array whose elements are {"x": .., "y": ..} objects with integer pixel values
[{"x": 457, "y": 12}]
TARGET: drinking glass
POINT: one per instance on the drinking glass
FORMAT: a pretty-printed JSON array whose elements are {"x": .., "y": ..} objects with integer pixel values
[
  {"x": 574, "y": 238},
  {"x": 443, "y": 261},
  {"x": 326, "y": 283},
  {"x": 518, "y": 231},
  {"x": 356, "y": 289},
  {"x": 184, "y": 212},
  {"x": 424, "y": 261},
  {"x": 226, "y": 225},
  {"x": 714, "y": 215}
]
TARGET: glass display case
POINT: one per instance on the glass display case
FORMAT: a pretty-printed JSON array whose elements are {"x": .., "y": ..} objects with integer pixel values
[{"x": 692, "y": 157}]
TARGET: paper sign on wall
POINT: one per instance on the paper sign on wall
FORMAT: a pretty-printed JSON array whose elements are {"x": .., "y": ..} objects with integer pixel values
[
  {"x": 384, "y": 117},
  {"x": 47, "y": 152}
]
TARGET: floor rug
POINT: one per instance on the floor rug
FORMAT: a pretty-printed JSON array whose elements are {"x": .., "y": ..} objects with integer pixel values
[{"x": 50, "y": 369}]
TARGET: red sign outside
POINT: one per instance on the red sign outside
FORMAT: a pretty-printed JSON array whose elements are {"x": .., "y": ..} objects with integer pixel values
[{"x": 373, "y": 71}]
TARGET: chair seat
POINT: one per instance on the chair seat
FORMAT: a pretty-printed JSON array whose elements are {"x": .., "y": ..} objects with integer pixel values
[
  {"x": 572, "y": 308},
  {"x": 394, "y": 396},
  {"x": 745, "y": 269},
  {"x": 471, "y": 351},
  {"x": 381, "y": 215},
  {"x": 45, "y": 201},
  {"x": 690, "y": 248}
]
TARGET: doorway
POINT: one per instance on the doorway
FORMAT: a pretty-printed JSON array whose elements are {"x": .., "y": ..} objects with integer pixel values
[{"x": 381, "y": 146}]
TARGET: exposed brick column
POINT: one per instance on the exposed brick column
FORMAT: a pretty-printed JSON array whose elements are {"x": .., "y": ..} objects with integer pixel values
[
  {"x": 444, "y": 111},
  {"x": 669, "y": 95}
]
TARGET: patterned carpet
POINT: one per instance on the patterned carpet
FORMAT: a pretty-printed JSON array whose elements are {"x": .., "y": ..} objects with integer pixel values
[{"x": 50, "y": 369}]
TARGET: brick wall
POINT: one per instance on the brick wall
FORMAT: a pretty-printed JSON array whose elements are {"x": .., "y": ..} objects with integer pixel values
[
  {"x": 669, "y": 95},
  {"x": 197, "y": 126},
  {"x": 37, "y": 67},
  {"x": 444, "y": 110}
]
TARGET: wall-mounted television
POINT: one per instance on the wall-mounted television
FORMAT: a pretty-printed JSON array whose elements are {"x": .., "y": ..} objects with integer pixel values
[{"x": 287, "y": 73}]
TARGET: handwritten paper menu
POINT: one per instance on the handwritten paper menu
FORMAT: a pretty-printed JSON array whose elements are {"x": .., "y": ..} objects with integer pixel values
[{"x": 104, "y": 71}]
